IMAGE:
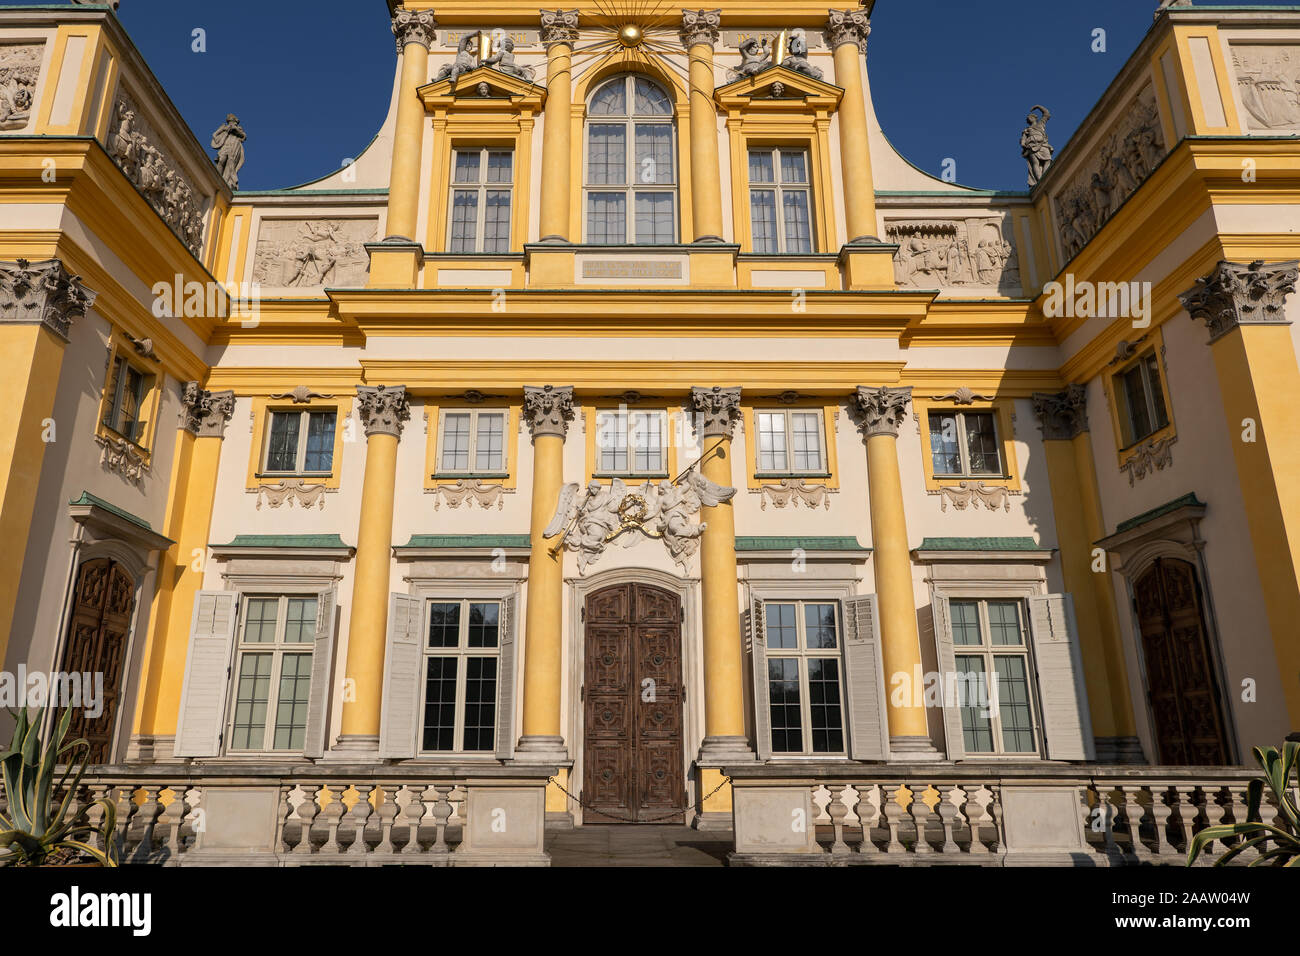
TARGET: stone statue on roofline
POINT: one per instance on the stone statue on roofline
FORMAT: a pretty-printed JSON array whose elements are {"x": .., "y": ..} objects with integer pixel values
[
  {"x": 1034, "y": 145},
  {"x": 228, "y": 141},
  {"x": 503, "y": 60},
  {"x": 755, "y": 57}
]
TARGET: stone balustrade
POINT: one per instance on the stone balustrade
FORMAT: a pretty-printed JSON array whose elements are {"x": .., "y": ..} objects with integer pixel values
[
  {"x": 331, "y": 815},
  {"x": 829, "y": 814}
]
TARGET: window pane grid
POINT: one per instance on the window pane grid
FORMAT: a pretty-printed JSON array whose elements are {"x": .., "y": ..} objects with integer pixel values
[
  {"x": 992, "y": 680},
  {"x": 472, "y": 443},
  {"x": 272, "y": 687},
  {"x": 632, "y": 152},
  {"x": 461, "y": 676},
  {"x": 783, "y": 176},
  {"x": 805, "y": 696},
  {"x": 481, "y": 202},
  {"x": 965, "y": 444},
  {"x": 790, "y": 443}
]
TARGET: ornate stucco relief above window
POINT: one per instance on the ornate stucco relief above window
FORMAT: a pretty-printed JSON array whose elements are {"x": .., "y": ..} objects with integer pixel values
[
  {"x": 971, "y": 254},
  {"x": 1119, "y": 163},
  {"x": 313, "y": 253},
  {"x": 138, "y": 151},
  {"x": 20, "y": 71}
]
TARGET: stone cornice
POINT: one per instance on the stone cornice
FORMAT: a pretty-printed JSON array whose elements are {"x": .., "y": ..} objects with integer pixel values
[
  {"x": 1236, "y": 294},
  {"x": 1062, "y": 415},
  {"x": 548, "y": 410},
  {"x": 701, "y": 26},
  {"x": 559, "y": 26},
  {"x": 205, "y": 413},
  {"x": 42, "y": 293},
  {"x": 882, "y": 410},
  {"x": 414, "y": 26},
  {"x": 717, "y": 410},
  {"x": 383, "y": 409},
  {"x": 848, "y": 26}
]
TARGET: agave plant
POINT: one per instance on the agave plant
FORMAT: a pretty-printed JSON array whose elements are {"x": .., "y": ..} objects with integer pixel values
[
  {"x": 1254, "y": 832},
  {"x": 33, "y": 827}
]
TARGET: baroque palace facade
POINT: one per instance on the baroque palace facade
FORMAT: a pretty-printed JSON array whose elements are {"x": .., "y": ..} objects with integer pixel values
[{"x": 630, "y": 434}]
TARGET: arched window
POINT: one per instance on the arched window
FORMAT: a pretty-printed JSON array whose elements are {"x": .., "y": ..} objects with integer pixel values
[{"x": 631, "y": 178}]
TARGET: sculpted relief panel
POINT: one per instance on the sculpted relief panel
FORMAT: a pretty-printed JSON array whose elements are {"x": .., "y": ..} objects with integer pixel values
[
  {"x": 137, "y": 150},
  {"x": 20, "y": 68},
  {"x": 977, "y": 254},
  {"x": 1268, "y": 79},
  {"x": 313, "y": 253},
  {"x": 1122, "y": 160}
]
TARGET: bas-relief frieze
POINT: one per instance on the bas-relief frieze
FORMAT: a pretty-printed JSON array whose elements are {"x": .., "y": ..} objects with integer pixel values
[
  {"x": 955, "y": 253},
  {"x": 1123, "y": 158},
  {"x": 136, "y": 149},
  {"x": 20, "y": 69},
  {"x": 313, "y": 253},
  {"x": 1268, "y": 79}
]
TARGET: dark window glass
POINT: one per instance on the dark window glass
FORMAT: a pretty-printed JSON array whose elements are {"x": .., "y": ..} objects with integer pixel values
[
  {"x": 480, "y": 702},
  {"x": 783, "y": 691},
  {"x": 320, "y": 442},
  {"x": 824, "y": 705},
  {"x": 444, "y": 625},
  {"x": 282, "y": 451},
  {"x": 440, "y": 704},
  {"x": 484, "y": 622},
  {"x": 944, "y": 448}
]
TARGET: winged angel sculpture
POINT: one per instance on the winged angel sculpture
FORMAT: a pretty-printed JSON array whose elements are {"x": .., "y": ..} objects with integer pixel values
[{"x": 594, "y": 520}]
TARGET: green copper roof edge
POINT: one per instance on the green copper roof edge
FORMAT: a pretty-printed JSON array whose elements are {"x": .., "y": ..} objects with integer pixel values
[
  {"x": 88, "y": 499},
  {"x": 981, "y": 544},
  {"x": 779, "y": 543},
  {"x": 467, "y": 541},
  {"x": 285, "y": 541},
  {"x": 1187, "y": 500}
]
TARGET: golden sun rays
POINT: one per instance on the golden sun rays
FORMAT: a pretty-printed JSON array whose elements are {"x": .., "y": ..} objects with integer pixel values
[{"x": 628, "y": 33}]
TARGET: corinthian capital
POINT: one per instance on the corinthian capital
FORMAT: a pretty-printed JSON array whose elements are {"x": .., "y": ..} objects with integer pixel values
[
  {"x": 559, "y": 26},
  {"x": 414, "y": 26},
  {"x": 848, "y": 26},
  {"x": 205, "y": 413},
  {"x": 383, "y": 409},
  {"x": 548, "y": 410},
  {"x": 1236, "y": 294},
  {"x": 882, "y": 409},
  {"x": 1062, "y": 415},
  {"x": 717, "y": 410},
  {"x": 700, "y": 26},
  {"x": 43, "y": 293}
]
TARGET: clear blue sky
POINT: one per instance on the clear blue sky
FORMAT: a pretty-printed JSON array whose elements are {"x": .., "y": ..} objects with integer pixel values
[{"x": 310, "y": 79}]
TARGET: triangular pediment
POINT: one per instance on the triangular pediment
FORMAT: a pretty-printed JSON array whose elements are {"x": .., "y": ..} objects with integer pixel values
[
  {"x": 778, "y": 86},
  {"x": 484, "y": 83}
]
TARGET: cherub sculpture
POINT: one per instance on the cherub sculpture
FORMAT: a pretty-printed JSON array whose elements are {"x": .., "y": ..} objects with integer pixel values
[
  {"x": 503, "y": 60},
  {"x": 755, "y": 57},
  {"x": 466, "y": 60},
  {"x": 796, "y": 57}
]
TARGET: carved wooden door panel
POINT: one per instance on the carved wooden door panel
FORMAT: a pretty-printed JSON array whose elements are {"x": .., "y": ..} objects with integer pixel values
[
  {"x": 632, "y": 707},
  {"x": 1181, "y": 684},
  {"x": 103, "y": 603}
]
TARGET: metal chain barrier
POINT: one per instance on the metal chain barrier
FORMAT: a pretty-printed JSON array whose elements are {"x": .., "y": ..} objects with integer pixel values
[{"x": 605, "y": 813}]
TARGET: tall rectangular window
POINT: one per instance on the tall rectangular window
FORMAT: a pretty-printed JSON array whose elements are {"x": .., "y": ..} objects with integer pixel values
[
  {"x": 965, "y": 444},
  {"x": 631, "y": 443},
  {"x": 780, "y": 201},
  {"x": 126, "y": 391},
  {"x": 989, "y": 639},
  {"x": 462, "y": 658},
  {"x": 473, "y": 443},
  {"x": 300, "y": 443},
  {"x": 272, "y": 673},
  {"x": 1141, "y": 399},
  {"x": 790, "y": 443},
  {"x": 804, "y": 682},
  {"x": 481, "y": 199}
]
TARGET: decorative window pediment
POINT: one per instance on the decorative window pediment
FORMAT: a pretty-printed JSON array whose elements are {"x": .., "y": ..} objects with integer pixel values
[
  {"x": 778, "y": 90},
  {"x": 504, "y": 93}
]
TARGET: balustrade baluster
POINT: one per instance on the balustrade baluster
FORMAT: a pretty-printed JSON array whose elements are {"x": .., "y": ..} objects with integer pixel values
[
  {"x": 387, "y": 814},
  {"x": 1186, "y": 811},
  {"x": 308, "y": 810},
  {"x": 333, "y": 813},
  {"x": 413, "y": 814},
  {"x": 1160, "y": 813},
  {"x": 360, "y": 814},
  {"x": 920, "y": 811},
  {"x": 868, "y": 811},
  {"x": 837, "y": 810},
  {"x": 893, "y": 812},
  {"x": 441, "y": 814},
  {"x": 947, "y": 813}
]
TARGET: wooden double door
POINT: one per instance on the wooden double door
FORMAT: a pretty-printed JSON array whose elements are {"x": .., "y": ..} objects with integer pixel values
[
  {"x": 633, "y": 761},
  {"x": 1186, "y": 703},
  {"x": 103, "y": 602}
]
